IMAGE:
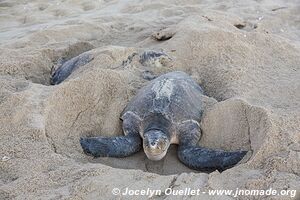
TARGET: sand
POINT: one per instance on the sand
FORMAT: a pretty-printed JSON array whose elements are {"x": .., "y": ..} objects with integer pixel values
[{"x": 245, "y": 54}]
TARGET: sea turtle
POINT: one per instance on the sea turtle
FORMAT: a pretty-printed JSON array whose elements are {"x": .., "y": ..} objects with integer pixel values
[
  {"x": 149, "y": 58},
  {"x": 166, "y": 111}
]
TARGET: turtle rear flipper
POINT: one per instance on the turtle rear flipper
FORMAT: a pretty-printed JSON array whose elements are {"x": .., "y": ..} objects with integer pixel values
[
  {"x": 120, "y": 146},
  {"x": 208, "y": 159}
]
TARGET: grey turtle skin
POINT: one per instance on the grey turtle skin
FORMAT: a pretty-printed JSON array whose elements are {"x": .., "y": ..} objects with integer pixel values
[
  {"x": 67, "y": 67},
  {"x": 166, "y": 111},
  {"x": 152, "y": 58}
]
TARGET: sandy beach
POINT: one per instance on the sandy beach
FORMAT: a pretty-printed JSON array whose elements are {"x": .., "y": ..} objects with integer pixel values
[{"x": 244, "y": 54}]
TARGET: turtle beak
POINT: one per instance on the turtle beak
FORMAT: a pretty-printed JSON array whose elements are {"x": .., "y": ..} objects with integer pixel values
[
  {"x": 155, "y": 144},
  {"x": 155, "y": 157}
]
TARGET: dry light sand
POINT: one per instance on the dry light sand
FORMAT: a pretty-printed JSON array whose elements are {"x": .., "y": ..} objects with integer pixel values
[{"x": 245, "y": 54}]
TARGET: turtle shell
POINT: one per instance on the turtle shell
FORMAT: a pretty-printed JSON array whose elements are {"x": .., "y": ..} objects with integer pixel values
[{"x": 174, "y": 96}]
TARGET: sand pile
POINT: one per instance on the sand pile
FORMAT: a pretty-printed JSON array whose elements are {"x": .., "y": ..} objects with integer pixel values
[{"x": 244, "y": 54}]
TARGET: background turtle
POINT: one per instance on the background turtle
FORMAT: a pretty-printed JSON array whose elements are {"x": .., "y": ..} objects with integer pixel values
[
  {"x": 149, "y": 59},
  {"x": 166, "y": 111}
]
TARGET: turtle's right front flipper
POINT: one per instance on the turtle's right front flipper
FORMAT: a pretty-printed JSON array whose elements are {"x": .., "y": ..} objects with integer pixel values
[
  {"x": 120, "y": 146},
  {"x": 208, "y": 159}
]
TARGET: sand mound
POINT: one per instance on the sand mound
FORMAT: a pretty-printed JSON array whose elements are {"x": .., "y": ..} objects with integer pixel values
[{"x": 245, "y": 55}]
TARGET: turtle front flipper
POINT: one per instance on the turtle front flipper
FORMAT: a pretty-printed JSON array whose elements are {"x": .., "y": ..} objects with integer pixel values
[
  {"x": 206, "y": 159},
  {"x": 199, "y": 158},
  {"x": 120, "y": 146}
]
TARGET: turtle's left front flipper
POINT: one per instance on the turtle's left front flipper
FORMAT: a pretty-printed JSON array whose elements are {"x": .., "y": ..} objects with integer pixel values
[
  {"x": 206, "y": 159},
  {"x": 120, "y": 146}
]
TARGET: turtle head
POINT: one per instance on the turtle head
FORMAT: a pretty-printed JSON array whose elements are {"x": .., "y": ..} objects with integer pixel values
[{"x": 156, "y": 144}]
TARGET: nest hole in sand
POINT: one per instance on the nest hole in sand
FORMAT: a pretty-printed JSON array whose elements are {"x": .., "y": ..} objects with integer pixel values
[
  {"x": 70, "y": 56},
  {"x": 72, "y": 112}
]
